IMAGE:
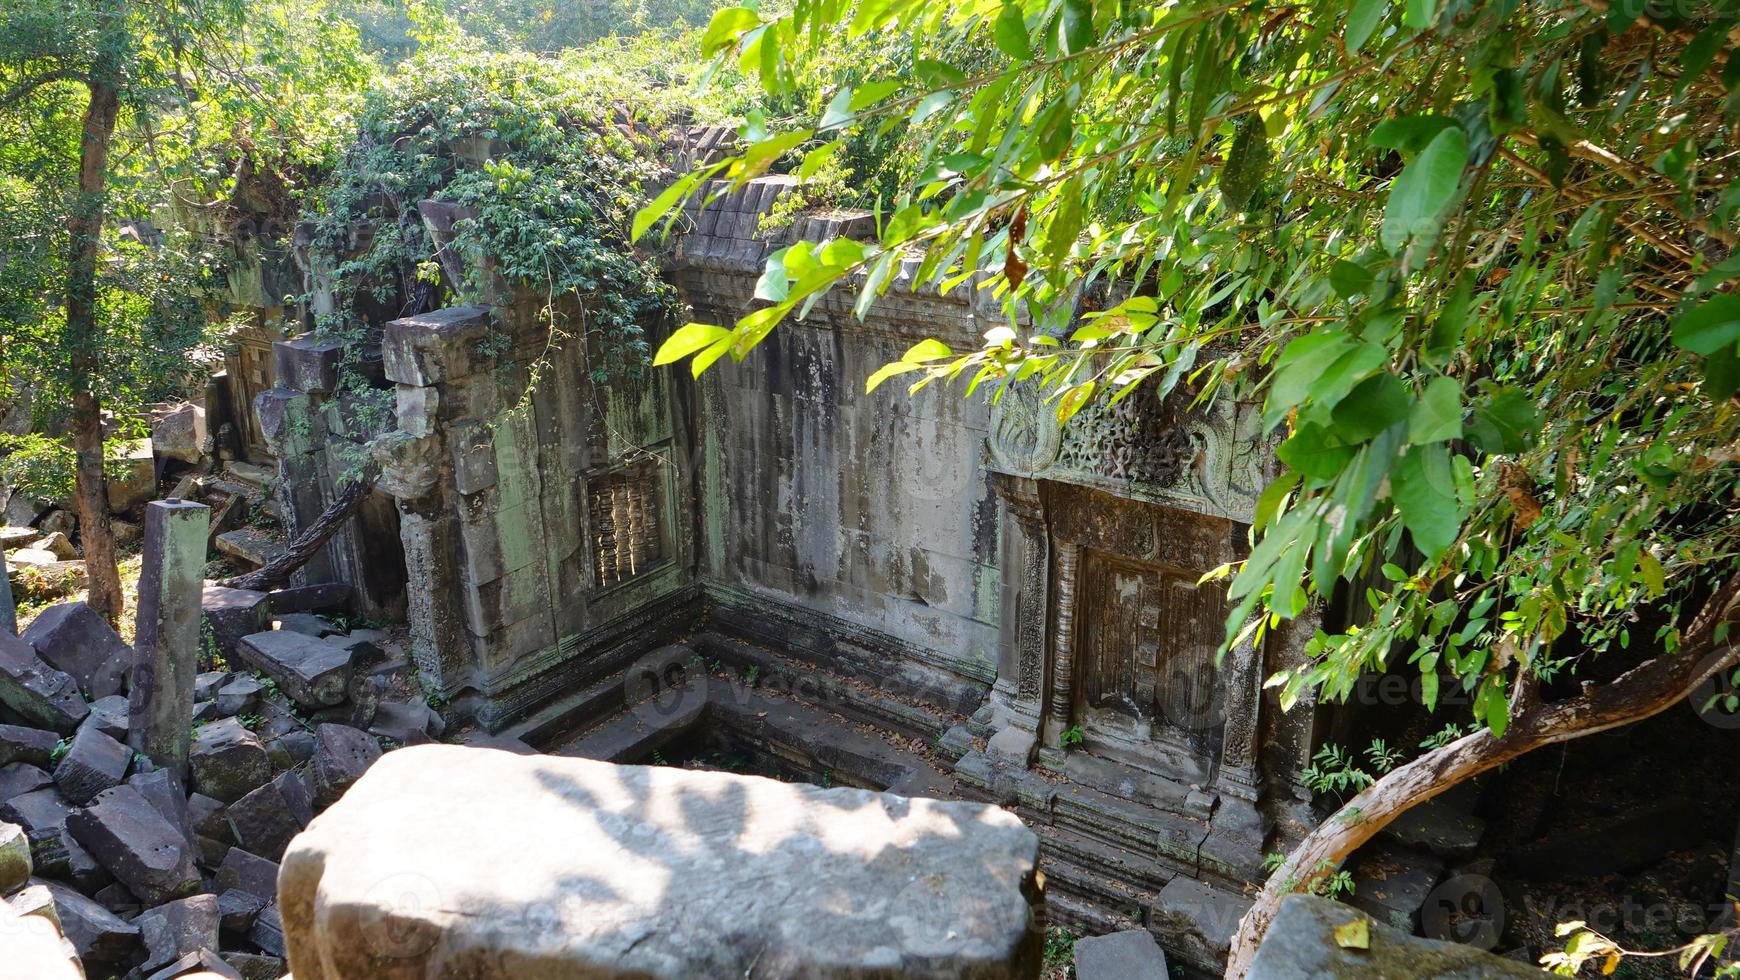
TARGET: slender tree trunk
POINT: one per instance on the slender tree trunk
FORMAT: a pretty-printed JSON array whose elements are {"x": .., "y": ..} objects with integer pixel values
[
  {"x": 83, "y": 334},
  {"x": 1648, "y": 689},
  {"x": 277, "y": 571}
]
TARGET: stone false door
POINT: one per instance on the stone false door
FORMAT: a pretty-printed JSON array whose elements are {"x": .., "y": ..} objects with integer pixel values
[{"x": 1107, "y": 633}]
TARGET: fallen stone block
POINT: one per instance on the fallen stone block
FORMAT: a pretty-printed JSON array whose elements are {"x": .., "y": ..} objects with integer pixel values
[
  {"x": 307, "y": 624},
  {"x": 145, "y": 852},
  {"x": 752, "y": 875},
  {"x": 20, "y": 778},
  {"x": 1129, "y": 955},
  {"x": 131, "y": 476},
  {"x": 35, "y": 899},
  {"x": 179, "y": 433},
  {"x": 104, "y": 940},
  {"x": 249, "y": 873},
  {"x": 227, "y": 761},
  {"x": 53, "y": 852},
  {"x": 1302, "y": 944},
  {"x": 250, "y": 545},
  {"x": 14, "y": 536},
  {"x": 40, "y": 694},
  {"x": 264, "y": 820},
  {"x": 31, "y": 745},
  {"x": 268, "y": 931},
  {"x": 1197, "y": 921},
  {"x": 231, "y": 614},
  {"x": 256, "y": 966},
  {"x": 15, "y": 865},
  {"x": 166, "y": 794},
  {"x": 207, "y": 682},
  {"x": 93, "y": 763},
  {"x": 310, "y": 598},
  {"x": 291, "y": 749},
  {"x": 341, "y": 755},
  {"x": 237, "y": 910},
  {"x": 34, "y": 948},
  {"x": 115, "y": 897},
  {"x": 239, "y": 695},
  {"x": 58, "y": 545},
  {"x": 109, "y": 715},
  {"x": 414, "y": 723},
  {"x": 174, "y": 929},
  {"x": 309, "y": 672},
  {"x": 201, "y": 964}
]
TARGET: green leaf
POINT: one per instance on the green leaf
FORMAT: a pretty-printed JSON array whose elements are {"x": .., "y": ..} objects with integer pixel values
[
  {"x": 1437, "y": 416},
  {"x": 1315, "y": 452},
  {"x": 1322, "y": 367},
  {"x": 1408, "y": 135},
  {"x": 1504, "y": 423},
  {"x": 1372, "y": 406},
  {"x": 774, "y": 284},
  {"x": 1420, "y": 14},
  {"x": 1722, "y": 374},
  {"x": 1423, "y": 192},
  {"x": 705, "y": 358},
  {"x": 1709, "y": 326},
  {"x": 660, "y": 206},
  {"x": 1350, "y": 279},
  {"x": 1363, "y": 17},
  {"x": 1424, "y": 489},
  {"x": 1075, "y": 26},
  {"x": 887, "y": 371},
  {"x": 1073, "y": 400},
  {"x": 1010, "y": 33},
  {"x": 1247, "y": 162},
  {"x": 1492, "y": 705},
  {"x": 686, "y": 340},
  {"x": 926, "y": 350},
  {"x": 725, "y": 27},
  {"x": 816, "y": 159}
]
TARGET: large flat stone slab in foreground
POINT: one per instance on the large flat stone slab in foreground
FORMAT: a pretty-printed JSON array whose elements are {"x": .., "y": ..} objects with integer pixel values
[
  {"x": 1302, "y": 944},
  {"x": 451, "y": 861}
]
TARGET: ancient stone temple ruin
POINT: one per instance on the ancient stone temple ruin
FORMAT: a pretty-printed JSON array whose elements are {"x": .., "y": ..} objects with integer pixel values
[{"x": 932, "y": 594}]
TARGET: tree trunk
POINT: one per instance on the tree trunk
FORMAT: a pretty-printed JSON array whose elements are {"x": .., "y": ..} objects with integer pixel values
[
  {"x": 277, "y": 571},
  {"x": 1648, "y": 689},
  {"x": 83, "y": 334}
]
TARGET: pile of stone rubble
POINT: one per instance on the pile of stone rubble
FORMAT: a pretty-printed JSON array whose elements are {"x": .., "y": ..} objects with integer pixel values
[{"x": 148, "y": 875}]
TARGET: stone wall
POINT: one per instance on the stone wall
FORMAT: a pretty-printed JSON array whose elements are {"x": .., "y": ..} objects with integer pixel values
[
  {"x": 858, "y": 529},
  {"x": 542, "y": 518}
]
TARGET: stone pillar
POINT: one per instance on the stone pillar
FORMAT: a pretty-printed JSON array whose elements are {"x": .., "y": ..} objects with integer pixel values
[
  {"x": 1060, "y": 706},
  {"x": 1020, "y": 689},
  {"x": 166, "y": 648},
  {"x": 1242, "y": 682},
  {"x": 8, "y": 612}
]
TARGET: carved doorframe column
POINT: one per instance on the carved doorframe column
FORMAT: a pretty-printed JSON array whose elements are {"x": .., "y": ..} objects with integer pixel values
[
  {"x": 1019, "y": 692},
  {"x": 1060, "y": 706},
  {"x": 1237, "y": 774}
]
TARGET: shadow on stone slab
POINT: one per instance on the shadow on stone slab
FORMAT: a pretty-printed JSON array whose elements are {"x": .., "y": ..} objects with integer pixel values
[{"x": 1301, "y": 945}]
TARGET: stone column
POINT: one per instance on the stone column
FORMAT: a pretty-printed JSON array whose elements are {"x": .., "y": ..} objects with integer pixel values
[
  {"x": 1020, "y": 688},
  {"x": 1242, "y": 689},
  {"x": 166, "y": 648},
  {"x": 8, "y": 612},
  {"x": 1061, "y": 704}
]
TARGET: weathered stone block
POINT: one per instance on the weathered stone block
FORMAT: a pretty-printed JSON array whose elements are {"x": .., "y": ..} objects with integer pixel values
[
  {"x": 264, "y": 820},
  {"x": 174, "y": 929},
  {"x": 310, "y": 598},
  {"x": 268, "y": 930},
  {"x": 231, "y": 614},
  {"x": 1129, "y": 955},
  {"x": 227, "y": 761},
  {"x": 237, "y": 909},
  {"x": 109, "y": 716},
  {"x": 1301, "y": 945},
  {"x": 433, "y": 347},
  {"x": 73, "y": 637},
  {"x": 248, "y": 872},
  {"x": 20, "y": 778},
  {"x": 256, "y": 966},
  {"x": 167, "y": 794},
  {"x": 104, "y": 940},
  {"x": 93, "y": 763},
  {"x": 132, "y": 476},
  {"x": 652, "y": 872},
  {"x": 32, "y": 745},
  {"x": 289, "y": 421},
  {"x": 201, "y": 964},
  {"x": 15, "y": 866},
  {"x": 341, "y": 755},
  {"x": 307, "y": 364},
  {"x": 1197, "y": 921},
  {"x": 34, "y": 947},
  {"x": 180, "y": 433},
  {"x": 145, "y": 852},
  {"x": 410, "y": 466},
  {"x": 309, "y": 672}
]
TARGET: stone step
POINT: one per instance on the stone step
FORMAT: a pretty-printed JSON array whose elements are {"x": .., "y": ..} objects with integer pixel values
[{"x": 250, "y": 545}]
